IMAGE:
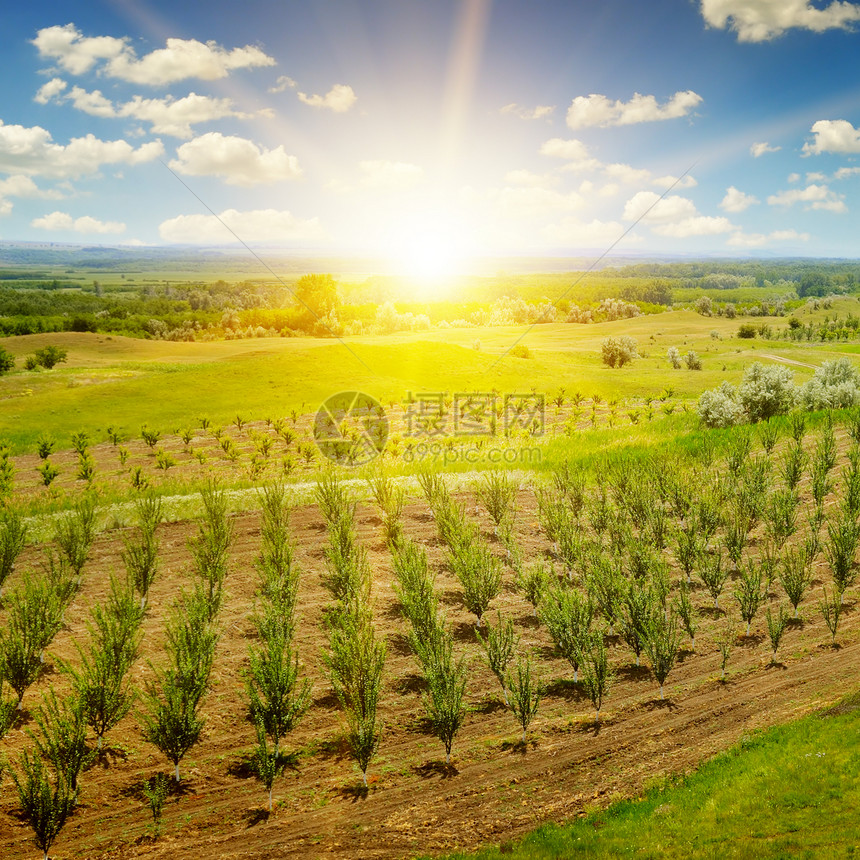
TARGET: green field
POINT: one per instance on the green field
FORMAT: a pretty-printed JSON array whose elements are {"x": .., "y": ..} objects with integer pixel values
[{"x": 128, "y": 382}]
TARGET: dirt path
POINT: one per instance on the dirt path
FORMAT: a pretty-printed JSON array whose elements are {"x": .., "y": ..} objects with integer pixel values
[{"x": 782, "y": 360}]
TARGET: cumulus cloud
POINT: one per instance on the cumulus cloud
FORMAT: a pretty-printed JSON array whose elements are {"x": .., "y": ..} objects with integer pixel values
[
  {"x": 32, "y": 152},
  {"x": 62, "y": 221},
  {"x": 598, "y": 110},
  {"x": 845, "y": 172},
  {"x": 813, "y": 196},
  {"x": 757, "y": 240},
  {"x": 737, "y": 201},
  {"x": 178, "y": 60},
  {"x": 579, "y": 234},
  {"x": 236, "y": 160},
  {"x": 282, "y": 84},
  {"x": 833, "y": 135},
  {"x": 258, "y": 225},
  {"x": 759, "y": 149},
  {"x": 526, "y": 177},
  {"x": 49, "y": 91},
  {"x": 165, "y": 115},
  {"x": 538, "y": 112},
  {"x": 762, "y": 20},
  {"x": 340, "y": 98},
  {"x": 673, "y": 216}
]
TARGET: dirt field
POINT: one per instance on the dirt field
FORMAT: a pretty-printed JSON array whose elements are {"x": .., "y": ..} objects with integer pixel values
[{"x": 496, "y": 790}]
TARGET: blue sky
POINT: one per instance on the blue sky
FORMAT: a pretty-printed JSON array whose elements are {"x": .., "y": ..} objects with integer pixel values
[{"x": 430, "y": 131}]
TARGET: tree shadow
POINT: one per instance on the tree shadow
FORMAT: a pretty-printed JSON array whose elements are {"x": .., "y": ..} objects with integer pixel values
[
  {"x": 711, "y": 612},
  {"x": 327, "y": 700},
  {"x": 399, "y": 644},
  {"x": 490, "y": 705},
  {"x": 411, "y": 683},
  {"x": 333, "y": 748},
  {"x": 774, "y": 664},
  {"x": 464, "y": 631},
  {"x": 530, "y": 621},
  {"x": 255, "y": 816},
  {"x": 631, "y": 672},
  {"x": 435, "y": 768},
  {"x": 564, "y": 688},
  {"x": 355, "y": 793},
  {"x": 752, "y": 640},
  {"x": 518, "y": 746},
  {"x": 659, "y": 705}
]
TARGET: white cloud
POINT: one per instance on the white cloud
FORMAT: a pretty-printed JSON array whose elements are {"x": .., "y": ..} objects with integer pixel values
[
  {"x": 94, "y": 103},
  {"x": 761, "y": 20},
  {"x": 737, "y": 201},
  {"x": 845, "y": 172},
  {"x": 176, "y": 117},
  {"x": 815, "y": 177},
  {"x": 390, "y": 175},
  {"x": 538, "y": 112},
  {"x": 650, "y": 208},
  {"x": 686, "y": 181},
  {"x": 236, "y": 160},
  {"x": 794, "y": 177},
  {"x": 814, "y": 196},
  {"x": 282, "y": 84},
  {"x": 757, "y": 240},
  {"x": 180, "y": 59},
  {"x": 699, "y": 225},
  {"x": 833, "y": 135},
  {"x": 594, "y": 234},
  {"x": 49, "y": 91},
  {"x": 23, "y": 186},
  {"x": 31, "y": 152},
  {"x": 673, "y": 216},
  {"x": 74, "y": 52},
  {"x": 759, "y": 149},
  {"x": 598, "y": 110},
  {"x": 166, "y": 115},
  {"x": 259, "y": 225},
  {"x": 62, "y": 221},
  {"x": 340, "y": 98}
]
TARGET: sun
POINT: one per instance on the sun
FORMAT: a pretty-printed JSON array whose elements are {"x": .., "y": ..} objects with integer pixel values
[{"x": 428, "y": 248}]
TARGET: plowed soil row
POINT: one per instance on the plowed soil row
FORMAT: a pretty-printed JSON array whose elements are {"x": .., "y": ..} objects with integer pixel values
[{"x": 496, "y": 789}]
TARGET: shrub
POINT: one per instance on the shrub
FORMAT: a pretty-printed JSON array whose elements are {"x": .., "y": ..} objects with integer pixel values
[
  {"x": 747, "y": 330},
  {"x": 521, "y": 351},
  {"x": 526, "y": 692},
  {"x": 7, "y": 361},
  {"x": 692, "y": 360},
  {"x": 618, "y": 351},
  {"x": 62, "y": 736},
  {"x": 719, "y": 407},
  {"x": 834, "y": 385},
  {"x": 597, "y": 674},
  {"x": 661, "y": 644},
  {"x": 674, "y": 357},
  {"x": 49, "y": 472},
  {"x": 46, "y": 803},
  {"x": 443, "y": 702},
  {"x": 766, "y": 391},
  {"x": 498, "y": 493},
  {"x": 13, "y": 534},
  {"x": 499, "y": 645},
  {"x": 50, "y": 356},
  {"x": 155, "y": 792}
]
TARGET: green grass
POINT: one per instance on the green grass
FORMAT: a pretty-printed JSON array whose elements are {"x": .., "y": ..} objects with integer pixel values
[
  {"x": 792, "y": 791},
  {"x": 127, "y": 382}
]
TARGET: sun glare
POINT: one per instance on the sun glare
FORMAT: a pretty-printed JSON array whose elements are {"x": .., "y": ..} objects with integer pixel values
[{"x": 426, "y": 249}]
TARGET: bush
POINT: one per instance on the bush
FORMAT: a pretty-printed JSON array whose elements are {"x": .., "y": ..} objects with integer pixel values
[
  {"x": 7, "y": 361},
  {"x": 618, "y": 351},
  {"x": 49, "y": 356},
  {"x": 834, "y": 385},
  {"x": 692, "y": 360},
  {"x": 719, "y": 407},
  {"x": 521, "y": 351},
  {"x": 674, "y": 357},
  {"x": 747, "y": 330},
  {"x": 766, "y": 391}
]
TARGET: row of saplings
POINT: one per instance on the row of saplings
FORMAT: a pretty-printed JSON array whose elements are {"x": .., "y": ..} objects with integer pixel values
[
  {"x": 626, "y": 582},
  {"x": 46, "y": 777}
]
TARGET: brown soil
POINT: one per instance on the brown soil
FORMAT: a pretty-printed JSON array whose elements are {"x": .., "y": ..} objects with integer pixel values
[{"x": 495, "y": 790}]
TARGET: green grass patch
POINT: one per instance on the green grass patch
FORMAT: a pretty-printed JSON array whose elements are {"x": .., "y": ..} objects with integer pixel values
[{"x": 791, "y": 791}]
